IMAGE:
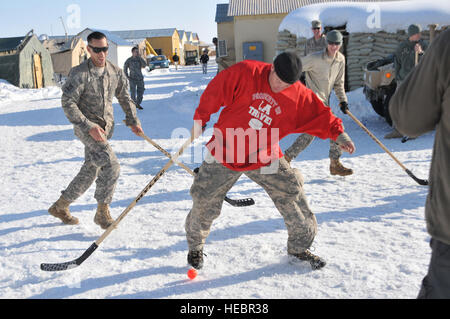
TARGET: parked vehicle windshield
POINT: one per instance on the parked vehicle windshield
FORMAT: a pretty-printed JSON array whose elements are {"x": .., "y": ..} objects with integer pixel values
[{"x": 159, "y": 58}]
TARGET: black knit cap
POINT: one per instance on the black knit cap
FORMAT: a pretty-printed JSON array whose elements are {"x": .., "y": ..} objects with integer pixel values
[{"x": 288, "y": 67}]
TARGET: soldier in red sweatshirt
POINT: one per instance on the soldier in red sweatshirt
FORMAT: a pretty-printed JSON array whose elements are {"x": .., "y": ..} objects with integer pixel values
[{"x": 262, "y": 104}]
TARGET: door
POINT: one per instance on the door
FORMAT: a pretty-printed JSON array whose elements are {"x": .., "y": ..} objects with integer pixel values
[
  {"x": 37, "y": 74},
  {"x": 253, "y": 51}
]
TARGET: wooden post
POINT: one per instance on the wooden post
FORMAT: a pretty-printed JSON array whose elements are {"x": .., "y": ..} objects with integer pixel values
[{"x": 432, "y": 28}]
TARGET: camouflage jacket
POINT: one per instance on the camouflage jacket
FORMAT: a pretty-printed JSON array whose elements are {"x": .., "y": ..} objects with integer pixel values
[
  {"x": 134, "y": 65},
  {"x": 312, "y": 45},
  {"x": 405, "y": 57},
  {"x": 87, "y": 98}
]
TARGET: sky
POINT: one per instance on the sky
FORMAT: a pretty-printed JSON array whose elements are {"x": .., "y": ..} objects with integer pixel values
[{"x": 44, "y": 17}]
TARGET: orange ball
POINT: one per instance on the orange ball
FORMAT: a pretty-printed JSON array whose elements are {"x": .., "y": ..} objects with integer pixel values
[{"x": 192, "y": 273}]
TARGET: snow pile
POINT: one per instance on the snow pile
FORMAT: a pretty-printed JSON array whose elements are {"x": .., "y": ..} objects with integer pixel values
[
  {"x": 368, "y": 17},
  {"x": 9, "y": 92}
]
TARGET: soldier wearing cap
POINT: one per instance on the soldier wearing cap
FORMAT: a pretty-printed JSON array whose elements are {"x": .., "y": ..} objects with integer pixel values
[
  {"x": 405, "y": 61},
  {"x": 318, "y": 42},
  {"x": 325, "y": 71}
]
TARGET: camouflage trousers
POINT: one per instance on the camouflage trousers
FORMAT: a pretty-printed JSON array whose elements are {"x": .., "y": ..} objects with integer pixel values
[
  {"x": 137, "y": 88},
  {"x": 285, "y": 188},
  {"x": 304, "y": 140},
  {"x": 100, "y": 165}
]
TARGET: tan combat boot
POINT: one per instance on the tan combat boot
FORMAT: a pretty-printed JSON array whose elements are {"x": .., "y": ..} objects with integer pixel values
[
  {"x": 102, "y": 216},
  {"x": 60, "y": 209},
  {"x": 336, "y": 168}
]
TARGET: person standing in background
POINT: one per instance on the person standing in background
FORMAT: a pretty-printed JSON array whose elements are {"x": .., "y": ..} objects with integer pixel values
[
  {"x": 204, "y": 61},
  {"x": 133, "y": 70}
]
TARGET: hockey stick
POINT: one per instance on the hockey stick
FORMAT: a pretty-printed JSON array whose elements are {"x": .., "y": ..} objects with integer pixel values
[
  {"x": 233, "y": 202},
  {"x": 423, "y": 182},
  {"x": 76, "y": 262}
]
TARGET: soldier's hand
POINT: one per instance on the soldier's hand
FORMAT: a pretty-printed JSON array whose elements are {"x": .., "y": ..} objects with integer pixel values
[
  {"x": 418, "y": 48},
  {"x": 98, "y": 134},
  {"x": 344, "y": 107},
  {"x": 137, "y": 130},
  {"x": 348, "y": 147}
]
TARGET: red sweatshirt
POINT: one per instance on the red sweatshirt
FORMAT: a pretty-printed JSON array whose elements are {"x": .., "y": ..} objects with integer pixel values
[{"x": 254, "y": 118}]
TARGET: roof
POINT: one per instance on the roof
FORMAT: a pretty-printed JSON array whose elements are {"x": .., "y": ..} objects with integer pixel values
[
  {"x": 142, "y": 34},
  {"x": 222, "y": 13},
  {"x": 8, "y": 44},
  {"x": 111, "y": 37},
  {"x": 181, "y": 33},
  {"x": 58, "y": 46},
  {"x": 260, "y": 7}
]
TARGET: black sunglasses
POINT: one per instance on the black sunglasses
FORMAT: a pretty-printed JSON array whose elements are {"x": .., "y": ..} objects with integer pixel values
[
  {"x": 98, "y": 50},
  {"x": 316, "y": 28},
  {"x": 335, "y": 43}
]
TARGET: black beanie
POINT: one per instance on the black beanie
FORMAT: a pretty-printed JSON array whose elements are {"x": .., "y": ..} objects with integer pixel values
[{"x": 288, "y": 67}]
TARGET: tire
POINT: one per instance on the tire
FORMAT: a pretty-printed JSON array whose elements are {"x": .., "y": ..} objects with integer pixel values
[
  {"x": 378, "y": 106},
  {"x": 375, "y": 100}
]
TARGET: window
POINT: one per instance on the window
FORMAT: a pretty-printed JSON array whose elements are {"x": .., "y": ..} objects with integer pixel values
[{"x": 222, "y": 48}]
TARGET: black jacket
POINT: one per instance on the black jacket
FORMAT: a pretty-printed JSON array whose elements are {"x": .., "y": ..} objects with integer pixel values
[{"x": 204, "y": 58}]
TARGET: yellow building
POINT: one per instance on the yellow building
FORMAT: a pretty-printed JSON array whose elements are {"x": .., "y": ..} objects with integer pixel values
[{"x": 163, "y": 41}]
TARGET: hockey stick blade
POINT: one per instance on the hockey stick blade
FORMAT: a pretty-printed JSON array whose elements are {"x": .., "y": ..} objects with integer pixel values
[
  {"x": 419, "y": 181},
  {"x": 240, "y": 202},
  {"x": 70, "y": 264}
]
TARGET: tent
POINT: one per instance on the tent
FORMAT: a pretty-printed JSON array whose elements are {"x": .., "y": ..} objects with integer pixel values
[
  {"x": 25, "y": 63},
  {"x": 66, "y": 54}
]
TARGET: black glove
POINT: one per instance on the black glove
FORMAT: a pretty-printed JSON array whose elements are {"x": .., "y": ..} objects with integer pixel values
[{"x": 344, "y": 107}]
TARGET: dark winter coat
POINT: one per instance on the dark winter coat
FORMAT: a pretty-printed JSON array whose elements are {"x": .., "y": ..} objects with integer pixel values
[
  {"x": 404, "y": 59},
  {"x": 204, "y": 58},
  {"x": 422, "y": 104}
]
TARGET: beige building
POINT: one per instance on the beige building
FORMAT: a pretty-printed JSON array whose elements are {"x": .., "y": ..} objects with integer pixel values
[{"x": 66, "y": 54}]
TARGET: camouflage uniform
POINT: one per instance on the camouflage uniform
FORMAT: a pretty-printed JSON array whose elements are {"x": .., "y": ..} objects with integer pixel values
[
  {"x": 135, "y": 77},
  {"x": 285, "y": 188},
  {"x": 304, "y": 140},
  {"x": 312, "y": 45},
  {"x": 87, "y": 103}
]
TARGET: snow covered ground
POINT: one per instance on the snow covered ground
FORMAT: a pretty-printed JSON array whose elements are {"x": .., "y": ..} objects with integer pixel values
[{"x": 371, "y": 225}]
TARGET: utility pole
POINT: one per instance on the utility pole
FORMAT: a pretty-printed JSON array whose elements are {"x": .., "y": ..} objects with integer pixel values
[{"x": 65, "y": 30}]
